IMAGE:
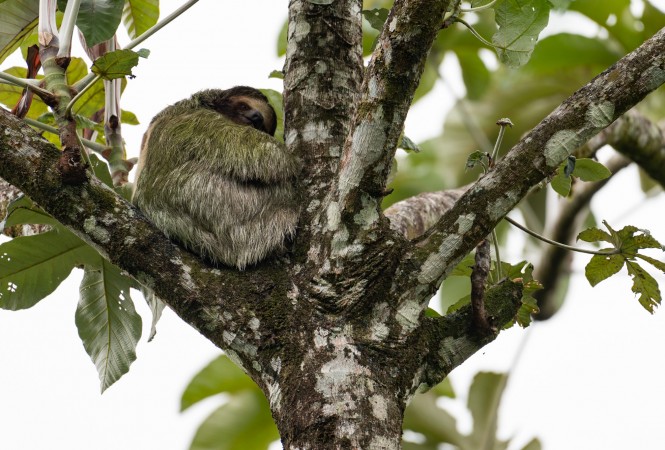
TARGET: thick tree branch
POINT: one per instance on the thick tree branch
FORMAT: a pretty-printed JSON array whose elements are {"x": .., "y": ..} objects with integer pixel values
[
  {"x": 415, "y": 215},
  {"x": 219, "y": 303},
  {"x": 534, "y": 158},
  {"x": 386, "y": 93},
  {"x": 323, "y": 71}
]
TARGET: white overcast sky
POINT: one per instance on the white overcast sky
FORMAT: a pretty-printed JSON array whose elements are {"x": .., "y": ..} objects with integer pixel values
[{"x": 591, "y": 378}]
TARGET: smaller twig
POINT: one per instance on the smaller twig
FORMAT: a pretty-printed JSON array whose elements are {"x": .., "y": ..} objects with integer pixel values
[
  {"x": 479, "y": 8},
  {"x": 26, "y": 83},
  {"x": 70, "y": 105},
  {"x": 559, "y": 244},
  {"x": 497, "y": 263},
  {"x": 99, "y": 148}
]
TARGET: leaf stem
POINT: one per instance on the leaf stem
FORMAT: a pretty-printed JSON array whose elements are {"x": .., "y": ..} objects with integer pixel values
[
  {"x": 502, "y": 123},
  {"x": 559, "y": 244},
  {"x": 479, "y": 8},
  {"x": 497, "y": 255},
  {"x": 67, "y": 28},
  {"x": 70, "y": 105},
  {"x": 474, "y": 32}
]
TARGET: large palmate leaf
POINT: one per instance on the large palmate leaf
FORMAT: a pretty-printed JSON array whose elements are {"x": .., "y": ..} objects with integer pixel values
[
  {"x": 31, "y": 267},
  {"x": 18, "y": 19},
  {"x": 139, "y": 15},
  {"x": 107, "y": 322},
  {"x": 98, "y": 20}
]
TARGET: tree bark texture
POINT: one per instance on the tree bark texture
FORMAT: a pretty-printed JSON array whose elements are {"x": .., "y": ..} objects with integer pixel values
[{"x": 335, "y": 333}]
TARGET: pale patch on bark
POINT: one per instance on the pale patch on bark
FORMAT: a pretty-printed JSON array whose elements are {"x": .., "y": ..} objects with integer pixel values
[
  {"x": 382, "y": 443},
  {"x": 653, "y": 77},
  {"x": 500, "y": 207},
  {"x": 431, "y": 269},
  {"x": 378, "y": 328},
  {"x": 600, "y": 115},
  {"x": 454, "y": 351},
  {"x": 407, "y": 316},
  {"x": 559, "y": 146},
  {"x": 379, "y": 406},
  {"x": 317, "y": 132},
  {"x": 368, "y": 215},
  {"x": 97, "y": 233}
]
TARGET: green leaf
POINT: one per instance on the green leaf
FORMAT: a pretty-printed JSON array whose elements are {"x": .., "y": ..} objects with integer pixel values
[
  {"x": 23, "y": 211},
  {"x": 276, "y": 74},
  {"x": 156, "y": 306},
  {"x": 476, "y": 158},
  {"x": 31, "y": 267},
  {"x": 107, "y": 322},
  {"x": 444, "y": 389},
  {"x": 660, "y": 265},
  {"x": 601, "y": 267},
  {"x": 589, "y": 170},
  {"x": 98, "y": 20},
  {"x": 534, "y": 444},
  {"x": 645, "y": 286},
  {"x": 18, "y": 19},
  {"x": 475, "y": 73},
  {"x": 244, "y": 422},
  {"x": 424, "y": 416},
  {"x": 221, "y": 375},
  {"x": 561, "y": 183},
  {"x": 376, "y": 17},
  {"x": 520, "y": 22},
  {"x": 429, "y": 312},
  {"x": 484, "y": 401},
  {"x": 563, "y": 51},
  {"x": 117, "y": 64},
  {"x": 139, "y": 15},
  {"x": 128, "y": 117},
  {"x": 101, "y": 170},
  {"x": 282, "y": 39},
  {"x": 594, "y": 235},
  {"x": 275, "y": 99},
  {"x": 10, "y": 94}
]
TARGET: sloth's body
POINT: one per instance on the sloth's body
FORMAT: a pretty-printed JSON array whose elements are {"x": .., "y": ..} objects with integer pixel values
[{"x": 212, "y": 177}]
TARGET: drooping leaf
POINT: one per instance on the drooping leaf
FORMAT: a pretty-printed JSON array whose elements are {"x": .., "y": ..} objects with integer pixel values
[
  {"x": 156, "y": 306},
  {"x": 31, "y": 267},
  {"x": 561, "y": 183},
  {"x": 221, "y": 375},
  {"x": 117, "y": 64},
  {"x": 23, "y": 211},
  {"x": 520, "y": 22},
  {"x": 98, "y": 20},
  {"x": 645, "y": 286},
  {"x": 244, "y": 422},
  {"x": 139, "y": 15},
  {"x": 107, "y": 322},
  {"x": 18, "y": 19},
  {"x": 601, "y": 267},
  {"x": 589, "y": 170},
  {"x": 424, "y": 416},
  {"x": 475, "y": 73},
  {"x": 484, "y": 401}
]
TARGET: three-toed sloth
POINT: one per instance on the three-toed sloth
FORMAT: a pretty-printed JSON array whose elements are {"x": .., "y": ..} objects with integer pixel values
[{"x": 212, "y": 177}]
